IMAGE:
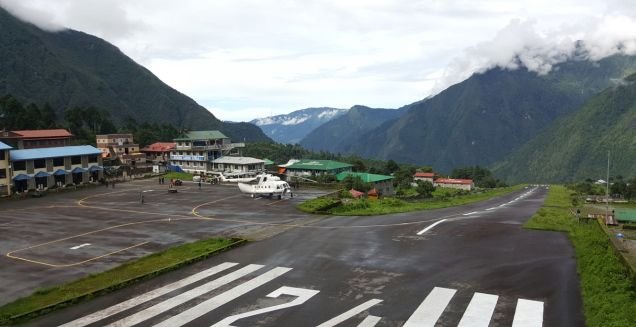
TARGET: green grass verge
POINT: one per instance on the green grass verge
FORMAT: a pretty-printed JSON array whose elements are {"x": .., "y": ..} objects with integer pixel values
[
  {"x": 607, "y": 285},
  {"x": 181, "y": 176},
  {"x": 389, "y": 205},
  {"x": 46, "y": 300}
]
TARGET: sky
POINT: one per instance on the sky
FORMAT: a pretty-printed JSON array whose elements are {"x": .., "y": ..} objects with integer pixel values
[{"x": 246, "y": 59}]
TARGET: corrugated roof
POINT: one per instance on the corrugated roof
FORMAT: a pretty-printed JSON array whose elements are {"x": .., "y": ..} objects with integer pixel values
[
  {"x": 268, "y": 162},
  {"x": 64, "y": 151},
  {"x": 4, "y": 146},
  {"x": 201, "y": 135},
  {"x": 43, "y": 133},
  {"x": 160, "y": 147},
  {"x": 424, "y": 175},
  {"x": 238, "y": 160},
  {"x": 366, "y": 177},
  {"x": 318, "y": 165},
  {"x": 454, "y": 181}
]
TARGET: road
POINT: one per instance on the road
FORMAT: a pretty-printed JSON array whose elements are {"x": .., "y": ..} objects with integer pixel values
[{"x": 470, "y": 266}]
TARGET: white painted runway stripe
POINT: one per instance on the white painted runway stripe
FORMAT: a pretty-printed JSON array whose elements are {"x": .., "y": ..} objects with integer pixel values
[
  {"x": 528, "y": 314},
  {"x": 80, "y": 246},
  {"x": 430, "y": 226},
  {"x": 349, "y": 314},
  {"x": 479, "y": 311},
  {"x": 431, "y": 308},
  {"x": 471, "y": 213},
  {"x": 493, "y": 208},
  {"x": 370, "y": 321},
  {"x": 185, "y": 297},
  {"x": 223, "y": 298},
  {"x": 117, "y": 308}
]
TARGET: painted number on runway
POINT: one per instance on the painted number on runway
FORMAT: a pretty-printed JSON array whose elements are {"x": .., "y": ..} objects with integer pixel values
[{"x": 478, "y": 313}]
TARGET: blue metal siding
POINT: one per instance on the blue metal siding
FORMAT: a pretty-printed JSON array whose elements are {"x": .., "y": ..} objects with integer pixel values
[{"x": 65, "y": 151}]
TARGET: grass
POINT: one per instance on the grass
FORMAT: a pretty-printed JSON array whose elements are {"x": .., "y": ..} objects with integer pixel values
[
  {"x": 607, "y": 285},
  {"x": 181, "y": 176},
  {"x": 45, "y": 300},
  {"x": 389, "y": 205}
]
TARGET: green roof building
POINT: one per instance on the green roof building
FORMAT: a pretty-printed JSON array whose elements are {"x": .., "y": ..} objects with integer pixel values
[
  {"x": 307, "y": 167},
  {"x": 382, "y": 183}
]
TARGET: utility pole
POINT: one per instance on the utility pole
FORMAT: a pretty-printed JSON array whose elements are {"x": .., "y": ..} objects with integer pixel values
[{"x": 607, "y": 189}]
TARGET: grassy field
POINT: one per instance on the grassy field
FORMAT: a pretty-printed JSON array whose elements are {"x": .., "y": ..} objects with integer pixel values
[
  {"x": 46, "y": 300},
  {"x": 389, "y": 205},
  {"x": 608, "y": 290},
  {"x": 181, "y": 176}
]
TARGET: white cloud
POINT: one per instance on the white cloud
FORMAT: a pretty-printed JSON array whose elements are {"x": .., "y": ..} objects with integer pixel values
[{"x": 245, "y": 59}]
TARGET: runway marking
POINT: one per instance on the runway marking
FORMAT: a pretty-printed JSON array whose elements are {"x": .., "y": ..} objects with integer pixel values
[
  {"x": 431, "y": 308},
  {"x": 479, "y": 311},
  {"x": 185, "y": 297},
  {"x": 117, "y": 308},
  {"x": 370, "y": 321},
  {"x": 493, "y": 208},
  {"x": 223, "y": 298},
  {"x": 430, "y": 227},
  {"x": 80, "y": 246},
  {"x": 528, "y": 314},
  {"x": 350, "y": 314},
  {"x": 470, "y": 213}
]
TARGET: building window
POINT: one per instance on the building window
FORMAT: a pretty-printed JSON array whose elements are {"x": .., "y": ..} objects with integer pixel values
[
  {"x": 92, "y": 159},
  {"x": 19, "y": 165},
  {"x": 76, "y": 160},
  {"x": 3, "y": 155},
  {"x": 39, "y": 163},
  {"x": 3, "y": 173},
  {"x": 59, "y": 161}
]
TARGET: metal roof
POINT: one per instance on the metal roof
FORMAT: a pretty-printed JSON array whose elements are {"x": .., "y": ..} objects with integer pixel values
[
  {"x": 238, "y": 160},
  {"x": 366, "y": 177},
  {"x": 4, "y": 146},
  {"x": 63, "y": 151},
  {"x": 201, "y": 135},
  {"x": 42, "y": 133},
  {"x": 318, "y": 165}
]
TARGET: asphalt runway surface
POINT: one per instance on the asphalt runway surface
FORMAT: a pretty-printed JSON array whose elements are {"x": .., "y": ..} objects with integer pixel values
[{"x": 472, "y": 265}]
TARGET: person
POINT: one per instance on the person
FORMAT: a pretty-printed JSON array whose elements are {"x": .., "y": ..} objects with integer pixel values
[{"x": 199, "y": 184}]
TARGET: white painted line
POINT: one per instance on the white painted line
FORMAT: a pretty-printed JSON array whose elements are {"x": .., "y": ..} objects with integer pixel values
[
  {"x": 493, "y": 208},
  {"x": 431, "y": 308},
  {"x": 370, "y": 321},
  {"x": 221, "y": 299},
  {"x": 117, "y": 308},
  {"x": 528, "y": 314},
  {"x": 430, "y": 226},
  {"x": 471, "y": 213},
  {"x": 349, "y": 314},
  {"x": 184, "y": 297},
  {"x": 479, "y": 311},
  {"x": 80, "y": 246}
]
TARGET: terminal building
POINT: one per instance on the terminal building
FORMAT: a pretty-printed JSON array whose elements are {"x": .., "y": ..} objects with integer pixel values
[
  {"x": 5, "y": 170},
  {"x": 55, "y": 167},
  {"x": 41, "y": 138},
  {"x": 197, "y": 151}
]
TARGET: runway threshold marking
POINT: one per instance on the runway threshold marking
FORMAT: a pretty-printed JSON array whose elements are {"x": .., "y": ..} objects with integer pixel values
[
  {"x": 117, "y": 308},
  {"x": 430, "y": 227},
  {"x": 350, "y": 313},
  {"x": 80, "y": 246},
  {"x": 370, "y": 321},
  {"x": 479, "y": 311},
  {"x": 431, "y": 308},
  {"x": 528, "y": 314}
]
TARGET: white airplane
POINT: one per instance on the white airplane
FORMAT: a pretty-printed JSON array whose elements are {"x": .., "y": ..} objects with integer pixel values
[{"x": 266, "y": 185}]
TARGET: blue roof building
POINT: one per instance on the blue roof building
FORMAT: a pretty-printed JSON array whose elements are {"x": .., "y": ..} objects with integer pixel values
[{"x": 5, "y": 170}]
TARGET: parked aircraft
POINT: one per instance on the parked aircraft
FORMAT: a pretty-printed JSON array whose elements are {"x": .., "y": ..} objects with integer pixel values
[{"x": 266, "y": 185}]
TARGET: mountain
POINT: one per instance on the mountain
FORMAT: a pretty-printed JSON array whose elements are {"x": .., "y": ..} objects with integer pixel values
[
  {"x": 575, "y": 146},
  {"x": 293, "y": 127},
  {"x": 485, "y": 118},
  {"x": 70, "y": 68},
  {"x": 335, "y": 135}
]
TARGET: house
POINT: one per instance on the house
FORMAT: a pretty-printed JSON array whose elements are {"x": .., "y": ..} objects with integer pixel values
[
  {"x": 196, "y": 151},
  {"x": 381, "y": 183},
  {"x": 48, "y": 167},
  {"x": 308, "y": 167},
  {"x": 122, "y": 147},
  {"x": 159, "y": 152},
  {"x": 41, "y": 138},
  {"x": 460, "y": 184},
  {"x": 238, "y": 164},
  {"x": 427, "y": 177},
  {"x": 5, "y": 170}
]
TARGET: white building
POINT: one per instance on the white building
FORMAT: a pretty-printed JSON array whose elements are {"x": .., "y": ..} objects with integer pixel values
[
  {"x": 238, "y": 164},
  {"x": 196, "y": 151},
  {"x": 460, "y": 184}
]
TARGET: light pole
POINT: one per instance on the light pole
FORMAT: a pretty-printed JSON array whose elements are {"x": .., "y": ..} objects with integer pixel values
[{"x": 607, "y": 189}]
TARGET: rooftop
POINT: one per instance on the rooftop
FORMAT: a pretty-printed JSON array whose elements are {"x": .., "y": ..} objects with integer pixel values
[
  {"x": 366, "y": 177},
  {"x": 316, "y": 165},
  {"x": 238, "y": 160},
  {"x": 160, "y": 147},
  {"x": 201, "y": 135},
  {"x": 424, "y": 175},
  {"x": 64, "y": 151},
  {"x": 42, "y": 133},
  {"x": 4, "y": 146},
  {"x": 453, "y": 181}
]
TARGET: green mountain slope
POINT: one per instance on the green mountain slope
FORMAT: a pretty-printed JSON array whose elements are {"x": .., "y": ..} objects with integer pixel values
[
  {"x": 336, "y": 135},
  {"x": 485, "y": 118},
  {"x": 71, "y": 68},
  {"x": 575, "y": 146}
]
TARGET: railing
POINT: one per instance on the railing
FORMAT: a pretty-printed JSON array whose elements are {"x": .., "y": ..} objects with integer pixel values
[
  {"x": 186, "y": 157},
  {"x": 211, "y": 147}
]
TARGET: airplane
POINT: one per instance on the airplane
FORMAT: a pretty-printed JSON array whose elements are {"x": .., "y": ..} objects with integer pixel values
[{"x": 266, "y": 185}]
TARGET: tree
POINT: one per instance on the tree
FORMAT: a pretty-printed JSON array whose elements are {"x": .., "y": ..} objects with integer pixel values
[
  {"x": 426, "y": 169},
  {"x": 392, "y": 167},
  {"x": 356, "y": 183},
  {"x": 48, "y": 116},
  {"x": 425, "y": 189},
  {"x": 358, "y": 165},
  {"x": 403, "y": 177}
]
